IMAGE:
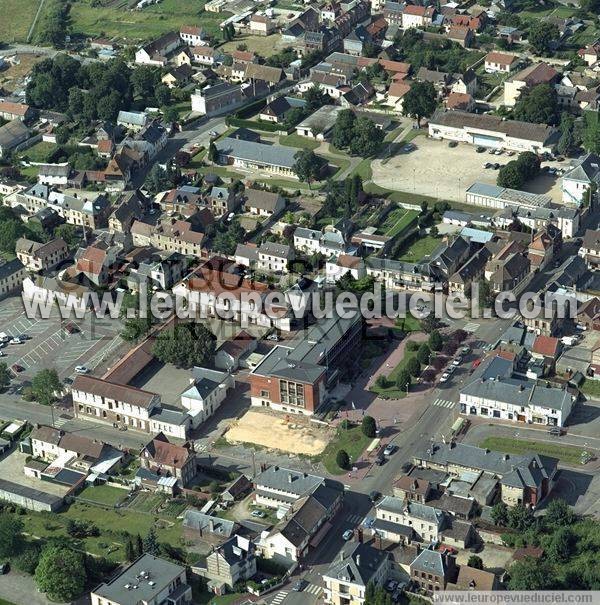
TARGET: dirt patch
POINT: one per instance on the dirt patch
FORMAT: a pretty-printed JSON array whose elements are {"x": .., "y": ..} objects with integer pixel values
[
  {"x": 13, "y": 76},
  {"x": 285, "y": 433}
]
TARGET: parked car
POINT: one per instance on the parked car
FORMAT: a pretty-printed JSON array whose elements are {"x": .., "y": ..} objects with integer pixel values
[
  {"x": 259, "y": 514},
  {"x": 390, "y": 448},
  {"x": 16, "y": 340},
  {"x": 444, "y": 548},
  {"x": 450, "y": 370},
  {"x": 299, "y": 586},
  {"x": 348, "y": 534},
  {"x": 465, "y": 350},
  {"x": 16, "y": 368},
  {"x": 444, "y": 377},
  {"x": 555, "y": 431},
  {"x": 4, "y": 568},
  {"x": 453, "y": 144},
  {"x": 272, "y": 337},
  {"x": 480, "y": 149},
  {"x": 81, "y": 369},
  {"x": 72, "y": 328},
  {"x": 391, "y": 585},
  {"x": 456, "y": 362},
  {"x": 380, "y": 460}
]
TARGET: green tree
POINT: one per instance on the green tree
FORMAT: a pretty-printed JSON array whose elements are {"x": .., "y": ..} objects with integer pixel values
[
  {"x": 558, "y": 513},
  {"x": 435, "y": 341},
  {"x": 475, "y": 562},
  {"x": 530, "y": 574},
  {"x": 157, "y": 180},
  {"x": 369, "y": 427},
  {"x": 403, "y": 379},
  {"x": 54, "y": 27},
  {"x": 151, "y": 542},
  {"x": 135, "y": 327},
  {"x": 538, "y": 105},
  {"x": 381, "y": 381},
  {"x": 510, "y": 176},
  {"x": 308, "y": 165},
  {"x": 45, "y": 385},
  {"x": 590, "y": 6},
  {"x": 520, "y": 517},
  {"x": 69, "y": 233},
  {"x": 315, "y": 98},
  {"x": 187, "y": 345},
  {"x": 343, "y": 129},
  {"x": 4, "y": 375},
  {"x": 28, "y": 559},
  {"x": 499, "y": 514},
  {"x": 61, "y": 573},
  {"x": 567, "y": 136},
  {"x": 420, "y": 101},
  {"x": 413, "y": 367},
  {"x": 162, "y": 94},
  {"x": 542, "y": 34},
  {"x": 423, "y": 354},
  {"x": 342, "y": 459},
  {"x": 170, "y": 114},
  {"x": 591, "y": 133},
  {"x": 129, "y": 550},
  {"x": 139, "y": 546},
  {"x": 366, "y": 138},
  {"x": 11, "y": 537},
  {"x": 213, "y": 154},
  {"x": 561, "y": 545}
]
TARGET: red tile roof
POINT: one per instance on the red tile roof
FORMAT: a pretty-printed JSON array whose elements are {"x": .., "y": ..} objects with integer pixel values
[{"x": 546, "y": 345}]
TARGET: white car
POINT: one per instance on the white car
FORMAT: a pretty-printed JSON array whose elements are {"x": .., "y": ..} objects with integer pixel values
[
  {"x": 16, "y": 341},
  {"x": 348, "y": 534},
  {"x": 81, "y": 370},
  {"x": 456, "y": 362},
  {"x": 450, "y": 369},
  {"x": 444, "y": 377}
]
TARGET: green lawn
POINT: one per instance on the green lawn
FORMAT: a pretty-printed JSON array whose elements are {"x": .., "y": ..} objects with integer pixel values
[
  {"x": 103, "y": 494},
  {"x": 295, "y": 140},
  {"x": 566, "y": 453},
  {"x": 150, "y": 22},
  {"x": 209, "y": 598},
  {"x": 40, "y": 152},
  {"x": 409, "y": 324},
  {"x": 364, "y": 169},
  {"x": 591, "y": 388},
  {"x": 352, "y": 440},
  {"x": 3, "y": 602},
  {"x": 399, "y": 220},
  {"x": 17, "y": 17},
  {"x": 420, "y": 248},
  {"x": 391, "y": 391}
]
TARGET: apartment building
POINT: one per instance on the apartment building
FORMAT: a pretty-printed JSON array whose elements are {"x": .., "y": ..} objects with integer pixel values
[
  {"x": 168, "y": 459},
  {"x": 295, "y": 377},
  {"x": 12, "y": 276},
  {"x": 40, "y": 257},
  {"x": 147, "y": 581},
  {"x": 234, "y": 561},
  {"x": 277, "y": 487}
]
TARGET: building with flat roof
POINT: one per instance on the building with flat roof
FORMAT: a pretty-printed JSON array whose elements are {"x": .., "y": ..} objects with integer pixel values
[
  {"x": 490, "y": 131},
  {"x": 295, "y": 377},
  {"x": 147, "y": 581}
]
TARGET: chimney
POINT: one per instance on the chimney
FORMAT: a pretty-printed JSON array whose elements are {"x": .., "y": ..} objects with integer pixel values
[
  {"x": 211, "y": 525},
  {"x": 290, "y": 477},
  {"x": 358, "y": 560},
  {"x": 359, "y": 533},
  {"x": 342, "y": 554}
]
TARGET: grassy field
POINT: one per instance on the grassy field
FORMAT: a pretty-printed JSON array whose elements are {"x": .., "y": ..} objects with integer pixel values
[
  {"x": 398, "y": 220},
  {"x": 420, "y": 248},
  {"x": 591, "y": 388},
  {"x": 265, "y": 46},
  {"x": 295, "y": 140},
  {"x": 103, "y": 494},
  {"x": 409, "y": 324},
  {"x": 352, "y": 440},
  {"x": 3, "y": 602},
  {"x": 565, "y": 453},
  {"x": 144, "y": 24},
  {"x": 17, "y": 17},
  {"x": 40, "y": 152},
  {"x": 364, "y": 169}
]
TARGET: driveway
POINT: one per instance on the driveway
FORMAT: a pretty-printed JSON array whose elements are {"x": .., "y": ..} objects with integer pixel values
[{"x": 16, "y": 587}]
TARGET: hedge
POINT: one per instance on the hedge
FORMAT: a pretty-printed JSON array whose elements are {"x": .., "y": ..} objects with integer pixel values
[
  {"x": 251, "y": 109},
  {"x": 241, "y": 123}
]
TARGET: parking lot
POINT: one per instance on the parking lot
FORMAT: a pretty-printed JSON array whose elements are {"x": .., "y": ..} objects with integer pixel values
[
  {"x": 50, "y": 345},
  {"x": 434, "y": 169}
]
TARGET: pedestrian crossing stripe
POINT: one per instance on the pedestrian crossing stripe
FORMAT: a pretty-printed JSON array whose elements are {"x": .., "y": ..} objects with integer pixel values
[
  {"x": 313, "y": 589},
  {"x": 444, "y": 403},
  {"x": 278, "y": 598},
  {"x": 355, "y": 519},
  {"x": 471, "y": 327}
]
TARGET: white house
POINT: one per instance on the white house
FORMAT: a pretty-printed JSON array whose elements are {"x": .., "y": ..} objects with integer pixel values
[
  {"x": 273, "y": 257},
  {"x": 193, "y": 35},
  {"x": 577, "y": 182},
  {"x": 54, "y": 174},
  {"x": 338, "y": 266},
  {"x": 206, "y": 393},
  {"x": 496, "y": 62}
]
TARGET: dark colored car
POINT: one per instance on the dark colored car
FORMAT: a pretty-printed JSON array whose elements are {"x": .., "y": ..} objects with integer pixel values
[{"x": 72, "y": 328}]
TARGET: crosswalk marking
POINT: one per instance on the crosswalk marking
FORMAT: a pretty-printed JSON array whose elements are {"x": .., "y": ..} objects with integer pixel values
[
  {"x": 444, "y": 403},
  {"x": 471, "y": 327},
  {"x": 355, "y": 518},
  {"x": 313, "y": 589},
  {"x": 279, "y": 597},
  {"x": 58, "y": 422}
]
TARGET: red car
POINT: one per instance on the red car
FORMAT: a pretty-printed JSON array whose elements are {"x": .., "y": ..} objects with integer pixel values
[
  {"x": 16, "y": 368},
  {"x": 72, "y": 328},
  {"x": 444, "y": 548}
]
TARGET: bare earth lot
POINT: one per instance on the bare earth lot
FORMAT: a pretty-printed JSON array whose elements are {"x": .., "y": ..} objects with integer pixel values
[
  {"x": 439, "y": 171},
  {"x": 11, "y": 469},
  {"x": 297, "y": 436}
]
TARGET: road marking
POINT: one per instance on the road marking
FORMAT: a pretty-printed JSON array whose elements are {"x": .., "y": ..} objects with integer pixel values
[
  {"x": 279, "y": 598},
  {"x": 314, "y": 589},
  {"x": 355, "y": 518},
  {"x": 444, "y": 403},
  {"x": 471, "y": 327}
]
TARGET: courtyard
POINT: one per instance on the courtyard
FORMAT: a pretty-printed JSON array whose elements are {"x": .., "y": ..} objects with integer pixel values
[{"x": 434, "y": 169}]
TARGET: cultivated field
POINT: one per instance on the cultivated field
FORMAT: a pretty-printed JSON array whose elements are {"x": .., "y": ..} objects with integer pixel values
[
  {"x": 17, "y": 17},
  {"x": 265, "y": 46},
  {"x": 286, "y": 433},
  {"x": 150, "y": 22}
]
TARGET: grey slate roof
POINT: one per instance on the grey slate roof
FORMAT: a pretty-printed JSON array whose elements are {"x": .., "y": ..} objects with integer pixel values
[
  {"x": 273, "y": 155},
  {"x": 194, "y": 519},
  {"x": 429, "y": 561},
  {"x": 586, "y": 169},
  {"x": 10, "y": 267},
  {"x": 356, "y": 563},
  {"x": 287, "y": 480}
]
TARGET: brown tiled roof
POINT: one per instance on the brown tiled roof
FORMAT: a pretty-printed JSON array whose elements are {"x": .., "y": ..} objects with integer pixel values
[
  {"x": 458, "y": 100},
  {"x": 539, "y": 73},
  {"x": 470, "y": 578},
  {"x": 17, "y": 109},
  {"x": 395, "y": 66},
  {"x": 163, "y": 452},
  {"x": 398, "y": 89},
  {"x": 546, "y": 346},
  {"x": 118, "y": 392},
  {"x": 349, "y": 261},
  {"x": 414, "y": 486},
  {"x": 500, "y": 58},
  {"x": 238, "y": 345}
]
